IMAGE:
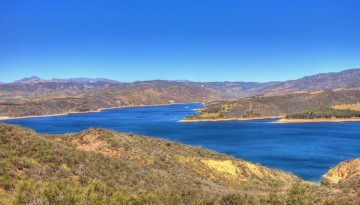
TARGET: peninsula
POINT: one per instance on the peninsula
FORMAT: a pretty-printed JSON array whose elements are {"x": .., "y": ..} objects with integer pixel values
[{"x": 316, "y": 106}]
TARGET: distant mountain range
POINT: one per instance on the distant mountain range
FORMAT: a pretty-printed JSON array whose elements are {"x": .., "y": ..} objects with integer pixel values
[
  {"x": 35, "y": 96},
  {"x": 35, "y": 79},
  {"x": 28, "y": 80},
  {"x": 325, "y": 81}
]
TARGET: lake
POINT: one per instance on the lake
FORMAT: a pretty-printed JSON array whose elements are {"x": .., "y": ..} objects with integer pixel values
[{"x": 307, "y": 150}]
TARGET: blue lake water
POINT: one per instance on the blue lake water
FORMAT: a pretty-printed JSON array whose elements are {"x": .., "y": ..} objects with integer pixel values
[{"x": 308, "y": 150}]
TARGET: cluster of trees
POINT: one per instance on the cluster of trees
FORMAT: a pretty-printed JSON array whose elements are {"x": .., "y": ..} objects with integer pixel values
[
  {"x": 250, "y": 114},
  {"x": 324, "y": 113}
]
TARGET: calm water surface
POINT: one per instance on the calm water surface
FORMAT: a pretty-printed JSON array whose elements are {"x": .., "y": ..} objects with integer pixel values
[{"x": 308, "y": 150}]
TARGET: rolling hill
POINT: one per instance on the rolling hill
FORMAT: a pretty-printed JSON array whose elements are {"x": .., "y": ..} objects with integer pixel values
[{"x": 110, "y": 166}]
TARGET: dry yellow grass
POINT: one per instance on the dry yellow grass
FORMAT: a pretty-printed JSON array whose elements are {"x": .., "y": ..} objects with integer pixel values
[
  {"x": 344, "y": 171},
  {"x": 355, "y": 107},
  {"x": 209, "y": 115},
  {"x": 223, "y": 166},
  {"x": 256, "y": 170}
]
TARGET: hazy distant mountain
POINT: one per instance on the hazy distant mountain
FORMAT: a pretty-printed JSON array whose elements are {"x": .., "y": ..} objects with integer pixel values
[
  {"x": 35, "y": 79},
  {"x": 181, "y": 81},
  {"x": 29, "y": 80},
  {"x": 85, "y": 80}
]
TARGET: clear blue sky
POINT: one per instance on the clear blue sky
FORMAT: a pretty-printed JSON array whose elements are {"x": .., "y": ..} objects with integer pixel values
[{"x": 199, "y": 40}]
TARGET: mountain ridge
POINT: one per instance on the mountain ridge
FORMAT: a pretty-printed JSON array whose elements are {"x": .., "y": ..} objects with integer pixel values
[
  {"x": 86, "y": 79},
  {"x": 28, "y": 80}
]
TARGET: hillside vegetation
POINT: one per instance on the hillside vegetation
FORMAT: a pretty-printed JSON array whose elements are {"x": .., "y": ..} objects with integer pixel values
[
  {"x": 324, "y": 113},
  {"x": 104, "y": 167},
  {"x": 280, "y": 105}
]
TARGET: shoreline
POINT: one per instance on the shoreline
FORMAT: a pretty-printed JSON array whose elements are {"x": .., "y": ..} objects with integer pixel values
[
  {"x": 93, "y": 111},
  {"x": 50, "y": 115},
  {"x": 231, "y": 119},
  {"x": 317, "y": 120}
]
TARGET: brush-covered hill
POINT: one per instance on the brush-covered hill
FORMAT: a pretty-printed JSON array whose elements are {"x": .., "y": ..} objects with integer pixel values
[
  {"x": 99, "y": 166},
  {"x": 106, "y": 167},
  {"x": 278, "y": 105}
]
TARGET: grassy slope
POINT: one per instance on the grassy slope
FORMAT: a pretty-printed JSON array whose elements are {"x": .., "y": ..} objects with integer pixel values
[
  {"x": 122, "y": 164},
  {"x": 355, "y": 107}
]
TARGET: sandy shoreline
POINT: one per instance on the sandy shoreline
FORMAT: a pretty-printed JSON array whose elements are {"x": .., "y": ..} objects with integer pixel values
[
  {"x": 318, "y": 120},
  {"x": 50, "y": 115},
  {"x": 281, "y": 120},
  {"x": 231, "y": 119},
  {"x": 99, "y": 110}
]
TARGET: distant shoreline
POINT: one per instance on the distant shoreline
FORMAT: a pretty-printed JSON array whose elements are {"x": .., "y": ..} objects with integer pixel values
[
  {"x": 281, "y": 120},
  {"x": 317, "y": 120},
  {"x": 93, "y": 111},
  {"x": 230, "y": 119}
]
